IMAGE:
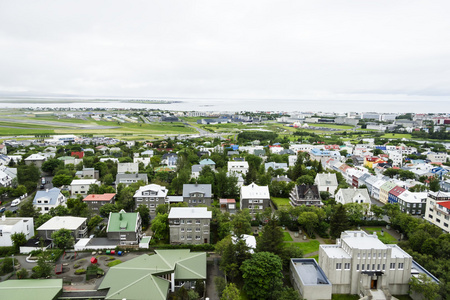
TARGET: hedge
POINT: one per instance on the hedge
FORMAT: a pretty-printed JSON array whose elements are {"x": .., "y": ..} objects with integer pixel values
[
  {"x": 7, "y": 251},
  {"x": 199, "y": 247}
]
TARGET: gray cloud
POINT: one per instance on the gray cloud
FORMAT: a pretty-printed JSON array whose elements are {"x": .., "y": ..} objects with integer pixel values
[{"x": 241, "y": 49}]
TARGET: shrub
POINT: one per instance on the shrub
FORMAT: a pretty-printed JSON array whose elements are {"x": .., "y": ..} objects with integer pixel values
[
  {"x": 114, "y": 263},
  {"x": 7, "y": 251},
  {"x": 6, "y": 266},
  {"x": 80, "y": 271},
  {"x": 22, "y": 274},
  {"x": 93, "y": 271}
]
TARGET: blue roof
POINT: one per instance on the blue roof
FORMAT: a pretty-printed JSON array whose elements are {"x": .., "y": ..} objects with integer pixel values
[
  {"x": 207, "y": 162},
  {"x": 381, "y": 147},
  {"x": 52, "y": 195}
]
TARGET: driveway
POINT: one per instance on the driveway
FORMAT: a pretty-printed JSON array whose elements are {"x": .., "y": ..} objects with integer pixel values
[{"x": 213, "y": 271}]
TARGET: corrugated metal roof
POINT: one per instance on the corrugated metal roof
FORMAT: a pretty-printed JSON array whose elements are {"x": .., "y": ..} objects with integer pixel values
[{"x": 40, "y": 289}]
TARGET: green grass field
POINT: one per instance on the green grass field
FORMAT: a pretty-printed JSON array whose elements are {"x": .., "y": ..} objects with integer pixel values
[
  {"x": 316, "y": 257},
  {"x": 343, "y": 127},
  {"x": 386, "y": 238},
  {"x": 281, "y": 202},
  {"x": 287, "y": 237},
  {"x": 308, "y": 247},
  {"x": 396, "y": 136}
]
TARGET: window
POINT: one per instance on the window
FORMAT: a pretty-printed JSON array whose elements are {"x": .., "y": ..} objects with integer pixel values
[
  {"x": 379, "y": 255},
  {"x": 400, "y": 266},
  {"x": 189, "y": 230},
  {"x": 182, "y": 237},
  {"x": 197, "y": 221},
  {"x": 378, "y": 266},
  {"x": 362, "y": 267},
  {"x": 189, "y": 222},
  {"x": 384, "y": 266},
  {"x": 368, "y": 255},
  {"x": 446, "y": 224},
  {"x": 430, "y": 216},
  {"x": 338, "y": 266},
  {"x": 182, "y": 221},
  {"x": 368, "y": 267},
  {"x": 347, "y": 266},
  {"x": 197, "y": 229},
  {"x": 392, "y": 266},
  {"x": 438, "y": 220},
  {"x": 357, "y": 267},
  {"x": 182, "y": 229},
  {"x": 197, "y": 237},
  {"x": 373, "y": 266},
  {"x": 359, "y": 255}
]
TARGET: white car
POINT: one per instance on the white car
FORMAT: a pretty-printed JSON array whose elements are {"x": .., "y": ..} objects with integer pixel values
[{"x": 15, "y": 202}]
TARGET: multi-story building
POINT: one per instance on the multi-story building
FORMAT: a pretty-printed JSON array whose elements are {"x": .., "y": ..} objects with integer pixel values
[
  {"x": 96, "y": 201},
  {"x": 437, "y": 210},
  {"x": 238, "y": 167},
  {"x": 81, "y": 186},
  {"x": 76, "y": 225},
  {"x": 305, "y": 194},
  {"x": 88, "y": 173},
  {"x": 124, "y": 227},
  {"x": 326, "y": 182},
  {"x": 360, "y": 263},
  {"x": 394, "y": 193},
  {"x": 197, "y": 194},
  {"x": 396, "y": 157},
  {"x": 127, "y": 179},
  {"x": 189, "y": 225},
  {"x": 127, "y": 168},
  {"x": 353, "y": 195},
  {"x": 10, "y": 226},
  {"x": 151, "y": 195},
  {"x": 45, "y": 200},
  {"x": 412, "y": 203},
  {"x": 384, "y": 191},
  {"x": 254, "y": 197}
]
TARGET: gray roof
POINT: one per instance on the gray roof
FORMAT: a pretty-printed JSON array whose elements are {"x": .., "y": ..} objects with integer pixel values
[
  {"x": 348, "y": 194},
  {"x": 196, "y": 168},
  {"x": 192, "y": 188},
  {"x": 140, "y": 176},
  {"x": 51, "y": 195},
  {"x": 326, "y": 179}
]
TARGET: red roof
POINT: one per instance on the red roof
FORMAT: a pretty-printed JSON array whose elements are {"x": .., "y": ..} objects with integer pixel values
[
  {"x": 223, "y": 201},
  {"x": 80, "y": 154},
  {"x": 445, "y": 204},
  {"x": 396, "y": 191},
  {"x": 98, "y": 197}
]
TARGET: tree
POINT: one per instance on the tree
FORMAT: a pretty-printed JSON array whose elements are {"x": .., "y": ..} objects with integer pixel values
[
  {"x": 28, "y": 210},
  {"x": 241, "y": 223},
  {"x": 43, "y": 268},
  {"x": 77, "y": 207},
  {"x": 305, "y": 179},
  {"x": 271, "y": 238},
  {"x": 262, "y": 275},
  {"x": 144, "y": 212},
  {"x": 107, "y": 208},
  {"x": 338, "y": 222},
  {"x": 231, "y": 292},
  {"x": 434, "y": 184},
  {"x": 377, "y": 211},
  {"x": 63, "y": 238},
  {"x": 51, "y": 165},
  {"x": 424, "y": 285},
  {"x": 18, "y": 239},
  {"x": 42, "y": 219},
  {"x": 286, "y": 293},
  {"x": 62, "y": 179},
  {"x": 160, "y": 227},
  {"x": 308, "y": 220},
  {"x": 94, "y": 221}
]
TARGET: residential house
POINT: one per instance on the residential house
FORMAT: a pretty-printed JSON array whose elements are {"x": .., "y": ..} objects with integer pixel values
[
  {"x": 208, "y": 162},
  {"x": 361, "y": 264},
  {"x": 292, "y": 159},
  {"x": 70, "y": 160},
  {"x": 228, "y": 205},
  {"x": 437, "y": 157},
  {"x": 238, "y": 167},
  {"x": 10, "y": 226},
  {"x": 275, "y": 166},
  {"x": 305, "y": 195},
  {"x": 376, "y": 189},
  {"x": 123, "y": 168},
  {"x": 96, "y": 201},
  {"x": 394, "y": 193},
  {"x": 88, "y": 173},
  {"x": 413, "y": 203},
  {"x": 3, "y": 149},
  {"x": 169, "y": 159},
  {"x": 326, "y": 182},
  {"x": 397, "y": 158},
  {"x": 35, "y": 159},
  {"x": 254, "y": 197},
  {"x": 128, "y": 179},
  {"x": 76, "y": 225},
  {"x": 45, "y": 200},
  {"x": 437, "y": 210},
  {"x": 189, "y": 225},
  {"x": 7, "y": 175},
  {"x": 124, "y": 227},
  {"x": 155, "y": 275},
  {"x": 81, "y": 186},
  {"x": 151, "y": 195},
  {"x": 146, "y": 161},
  {"x": 197, "y": 194},
  {"x": 353, "y": 195},
  {"x": 384, "y": 191}
]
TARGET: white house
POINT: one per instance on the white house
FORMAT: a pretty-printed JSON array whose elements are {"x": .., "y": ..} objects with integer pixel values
[
  {"x": 45, "y": 200},
  {"x": 255, "y": 197},
  {"x": 81, "y": 186},
  {"x": 128, "y": 168},
  {"x": 437, "y": 210},
  {"x": 353, "y": 195},
  {"x": 238, "y": 167},
  {"x": 10, "y": 226},
  {"x": 326, "y": 182}
]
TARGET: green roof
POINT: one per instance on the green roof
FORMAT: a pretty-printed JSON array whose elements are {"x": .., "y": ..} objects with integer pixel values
[
  {"x": 122, "y": 222},
  {"x": 40, "y": 289},
  {"x": 139, "y": 278}
]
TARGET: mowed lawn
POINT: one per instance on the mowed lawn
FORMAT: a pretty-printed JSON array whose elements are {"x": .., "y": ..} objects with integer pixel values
[
  {"x": 308, "y": 247},
  {"x": 281, "y": 202},
  {"x": 287, "y": 237},
  {"x": 385, "y": 238}
]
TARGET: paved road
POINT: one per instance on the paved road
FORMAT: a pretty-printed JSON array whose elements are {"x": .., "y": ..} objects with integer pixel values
[{"x": 213, "y": 271}]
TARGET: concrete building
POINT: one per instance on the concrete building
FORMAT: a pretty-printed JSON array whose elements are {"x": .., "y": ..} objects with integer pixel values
[
  {"x": 96, "y": 201},
  {"x": 124, "y": 227},
  {"x": 81, "y": 186},
  {"x": 35, "y": 159},
  {"x": 384, "y": 191},
  {"x": 76, "y": 225},
  {"x": 127, "y": 168},
  {"x": 151, "y": 195},
  {"x": 413, "y": 203},
  {"x": 254, "y": 197},
  {"x": 127, "y": 179},
  {"x": 437, "y": 210},
  {"x": 309, "y": 279},
  {"x": 10, "y": 226},
  {"x": 361, "y": 264},
  {"x": 45, "y": 200},
  {"x": 197, "y": 194},
  {"x": 88, "y": 173},
  {"x": 238, "y": 167},
  {"x": 189, "y": 225}
]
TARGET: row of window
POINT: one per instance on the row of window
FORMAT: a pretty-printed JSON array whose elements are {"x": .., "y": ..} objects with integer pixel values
[
  {"x": 369, "y": 255},
  {"x": 189, "y": 237},
  {"x": 255, "y": 201},
  {"x": 197, "y": 201},
  {"x": 366, "y": 267},
  {"x": 190, "y": 229}
]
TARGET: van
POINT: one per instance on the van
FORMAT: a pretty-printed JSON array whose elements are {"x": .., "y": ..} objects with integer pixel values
[{"x": 15, "y": 202}]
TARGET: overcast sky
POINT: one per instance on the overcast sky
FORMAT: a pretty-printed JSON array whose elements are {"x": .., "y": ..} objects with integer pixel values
[{"x": 237, "y": 49}]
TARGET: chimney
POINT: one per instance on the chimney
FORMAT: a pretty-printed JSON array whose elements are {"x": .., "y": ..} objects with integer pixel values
[
  {"x": 3, "y": 218},
  {"x": 46, "y": 190}
]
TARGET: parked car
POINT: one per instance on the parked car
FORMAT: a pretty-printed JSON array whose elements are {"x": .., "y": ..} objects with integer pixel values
[
  {"x": 2, "y": 209},
  {"x": 15, "y": 202}
]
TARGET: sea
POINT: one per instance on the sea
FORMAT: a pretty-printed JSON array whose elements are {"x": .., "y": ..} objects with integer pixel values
[{"x": 231, "y": 105}]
